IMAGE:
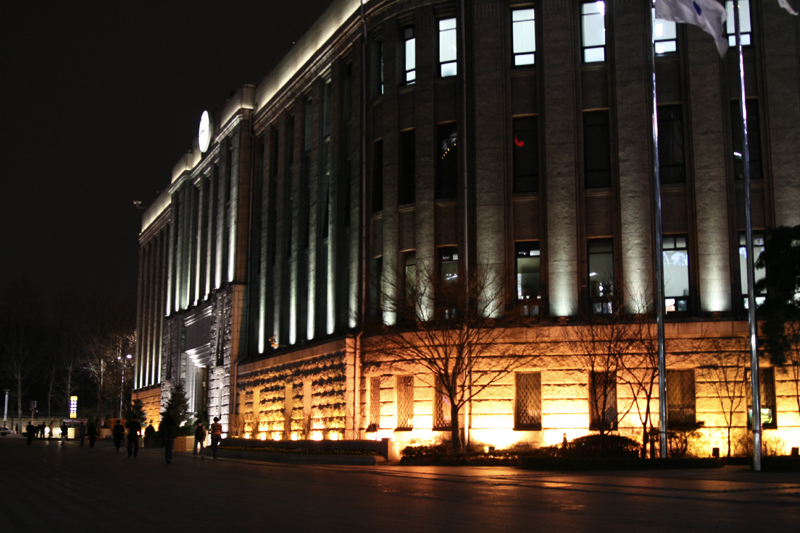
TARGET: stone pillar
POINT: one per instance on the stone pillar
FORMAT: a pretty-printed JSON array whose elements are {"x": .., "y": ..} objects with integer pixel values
[{"x": 560, "y": 79}]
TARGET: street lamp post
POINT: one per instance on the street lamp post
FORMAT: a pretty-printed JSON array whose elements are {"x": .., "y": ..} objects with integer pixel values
[{"x": 122, "y": 388}]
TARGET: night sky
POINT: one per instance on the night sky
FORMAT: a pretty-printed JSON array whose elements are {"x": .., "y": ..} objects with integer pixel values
[{"x": 100, "y": 100}]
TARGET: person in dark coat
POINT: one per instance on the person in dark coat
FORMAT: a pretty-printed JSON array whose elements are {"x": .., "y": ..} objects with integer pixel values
[
  {"x": 64, "y": 431},
  {"x": 30, "y": 431},
  {"x": 119, "y": 433},
  {"x": 81, "y": 432},
  {"x": 91, "y": 432},
  {"x": 134, "y": 430},
  {"x": 169, "y": 431}
]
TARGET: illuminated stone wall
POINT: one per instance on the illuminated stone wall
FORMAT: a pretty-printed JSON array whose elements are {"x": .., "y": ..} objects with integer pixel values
[
  {"x": 300, "y": 400},
  {"x": 151, "y": 401},
  {"x": 565, "y": 395}
]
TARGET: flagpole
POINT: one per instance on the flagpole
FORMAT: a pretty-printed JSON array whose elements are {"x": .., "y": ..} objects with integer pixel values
[
  {"x": 751, "y": 298},
  {"x": 659, "y": 263}
]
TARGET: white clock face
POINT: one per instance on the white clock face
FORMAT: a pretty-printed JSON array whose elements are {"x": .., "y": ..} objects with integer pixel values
[{"x": 204, "y": 134}]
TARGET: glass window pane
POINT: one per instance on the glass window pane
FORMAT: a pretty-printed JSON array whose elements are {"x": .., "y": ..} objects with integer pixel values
[
  {"x": 594, "y": 55},
  {"x": 449, "y": 69},
  {"x": 676, "y": 273},
  {"x": 411, "y": 57},
  {"x": 524, "y": 37},
  {"x": 524, "y": 59},
  {"x": 594, "y": 31}
]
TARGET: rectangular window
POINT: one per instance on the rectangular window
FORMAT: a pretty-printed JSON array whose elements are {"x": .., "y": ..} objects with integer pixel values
[
  {"x": 665, "y": 35},
  {"x": 410, "y": 275},
  {"x": 377, "y": 176},
  {"x": 675, "y": 252},
  {"x": 377, "y": 68},
  {"x": 745, "y": 28},
  {"x": 405, "y": 402},
  {"x": 446, "y": 299},
  {"x": 374, "y": 403},
  {"x": 769, "y": 413},
  {"x": 760, "y": 273},
  {"x": 680, "y": 399},
  {"x": 593, "y": 26},
  {"x": 407, "y": 177},
  {"x": 442, "y": 415},
  {"x": 529, "y": 277},
  {"x": 603, "y": 401},
  {"x": 410, "y": 50},
  {"x": 528, "y": 400},
  {"x": 448, "y": 263},
  {"x": 526, "y": 155},
  {"x": 523, "y": 30},
  {"x": 672, "y": 168},
  {"x": 596, "y": 149},
  {"x": 601, "y": 275},
  {"x": 448, "y": 50},
  {"x": 753, "y": 139},
  {"x": 447, "y": 162}
]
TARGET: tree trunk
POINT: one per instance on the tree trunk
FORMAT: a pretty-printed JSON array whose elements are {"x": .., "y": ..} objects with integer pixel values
[
  {"x": 455, "y": 429},
  {"x": 729, "y": 442}
]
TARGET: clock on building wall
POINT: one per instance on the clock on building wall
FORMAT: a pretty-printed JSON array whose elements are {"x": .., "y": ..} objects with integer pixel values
[{"x": 204, "y": 133}]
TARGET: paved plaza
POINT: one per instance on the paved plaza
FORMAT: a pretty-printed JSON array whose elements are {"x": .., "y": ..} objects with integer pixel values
[{"x": 46, "y": 487}]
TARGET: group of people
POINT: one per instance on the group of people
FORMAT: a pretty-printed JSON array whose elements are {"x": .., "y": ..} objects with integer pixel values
[{"x": 169, "y": 431}]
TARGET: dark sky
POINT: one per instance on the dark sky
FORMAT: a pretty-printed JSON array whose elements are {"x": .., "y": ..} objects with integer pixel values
[{"x": 100, "y": 99}]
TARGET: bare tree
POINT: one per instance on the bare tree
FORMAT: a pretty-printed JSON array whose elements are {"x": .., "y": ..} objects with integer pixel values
[
  {"x": 20, "y": 337},
  {"x": 608, "y": 347},
  {"x": 725, "y": 375},
  {"x": 458, "y": 331}
]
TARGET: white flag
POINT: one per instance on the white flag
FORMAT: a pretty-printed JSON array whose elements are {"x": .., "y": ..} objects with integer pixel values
[
  {"x": 709, "y": 15},
  {"x": 785, "y": 5}
]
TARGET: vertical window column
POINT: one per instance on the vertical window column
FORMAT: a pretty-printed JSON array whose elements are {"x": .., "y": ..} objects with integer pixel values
[
  {"x": 523, "y": 30},
  {"x": 448, "y": 49},
  {"x": 745, "y": 26},
  {"x": 596, "y": 149},
  {"x": 447, "y": 162},
  {"x": 759, "y": 273},
  {"x": 528, "y": 277},
  {"x": 601, "y": 275},
  {"x": 593, "y": 31},
  {"x": 675, "y": 252},
  {"x": 410, "y": 53},
  {"x": 528, "y": 401},
  {"x": 526, "y": 155}
]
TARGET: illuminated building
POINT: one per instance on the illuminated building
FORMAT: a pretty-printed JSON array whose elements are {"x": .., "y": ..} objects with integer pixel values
[{"x": 251, "y": 277}]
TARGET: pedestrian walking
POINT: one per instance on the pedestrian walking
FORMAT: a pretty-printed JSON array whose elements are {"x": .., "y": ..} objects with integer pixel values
[
  {"x": 134, "y": 430},
  {"x": 91, "y": 432},
  {"x": 119, "y": 433},
  {"x": 81, "y": 432},
  {"x": 50, "y": 432},
  {"x": 169, "y": 431},
  {"x": 199, "y": 439},
  {"x": 30, "y": 431},
  {"x": 64, "y": 432},
  {"x": 216, "y": 436}
]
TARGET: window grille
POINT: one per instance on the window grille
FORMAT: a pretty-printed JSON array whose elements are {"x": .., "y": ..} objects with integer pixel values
[
  {"x": 769, "y": 413},
  {"x": 405, "y": 402},
  {"x": 375, "y": 402},
  {"x": 603, "y": 401},
  {"x": 680, "y": 398},
  {"x": 528, "y": 408},
  {"x": 442, "y": 418}
]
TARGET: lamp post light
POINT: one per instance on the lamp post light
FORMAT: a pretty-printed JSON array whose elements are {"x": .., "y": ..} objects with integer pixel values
[{"x": 122, "y": 388}]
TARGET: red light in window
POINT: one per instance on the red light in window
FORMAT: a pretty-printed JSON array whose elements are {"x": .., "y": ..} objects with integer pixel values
[{"x": 518, "y": 142}]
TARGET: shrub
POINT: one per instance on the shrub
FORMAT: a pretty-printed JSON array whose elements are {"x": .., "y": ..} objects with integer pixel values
[{"x": 596, "y": 446}]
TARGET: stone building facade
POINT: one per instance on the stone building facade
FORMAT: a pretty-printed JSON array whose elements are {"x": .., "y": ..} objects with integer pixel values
[{"x": 444, "y": 136}]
